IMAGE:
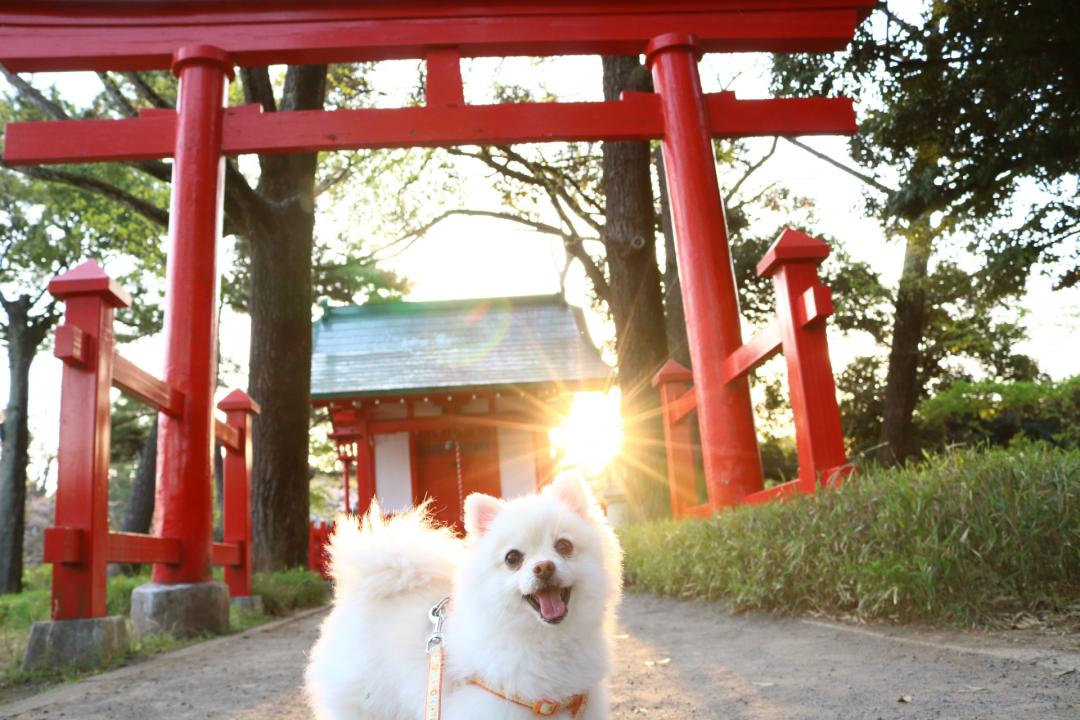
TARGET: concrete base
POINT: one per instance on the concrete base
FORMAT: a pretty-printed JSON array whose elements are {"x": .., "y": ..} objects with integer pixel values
[
  {"x": 248, "y": 603},
  {"x": 181, "y": 610},
  {"x": 82, "y": 643}
]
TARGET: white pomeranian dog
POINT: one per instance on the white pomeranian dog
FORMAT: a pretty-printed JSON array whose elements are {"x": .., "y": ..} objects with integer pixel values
[{"x": 528, "y": 626}]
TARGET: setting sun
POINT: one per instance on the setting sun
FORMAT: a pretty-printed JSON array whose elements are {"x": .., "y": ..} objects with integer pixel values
[{"x": 591, "y": 435}]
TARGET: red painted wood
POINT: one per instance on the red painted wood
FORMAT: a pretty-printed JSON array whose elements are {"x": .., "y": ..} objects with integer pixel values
[
  {"x": 635, "y": 117},
  {"x": 777, "y": 492},
  {"x": 230, "y": 555},
  {"x": 184, "y": 497},
  {"x": 138, "y": 548},
  {"x": 227, "y": 435},
  {"x": 443, "y": 83},
  {"x": 678, "y": 438},
  {"x": 138, "y": 383},
  {"x": 71, "y": 346},
  {"x": 729, "y": 445},
  {"x": 144, "y": 38},
  {"x": 82, "y": 492},
  {"x": 747, "y": 358},
  {"x": 365, "y": 474},
  {"x": 683, "y": 404},
  {"x": 239, "y": 411},
  {"x": 793, "y": 262},
  {"x": 516, "y": 420},
  {"x": 63, "y": 545},
  {"x": 318, "y": 541}
]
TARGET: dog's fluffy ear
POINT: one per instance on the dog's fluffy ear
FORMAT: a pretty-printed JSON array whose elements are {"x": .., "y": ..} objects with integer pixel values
[
  {"x": 572, "y": 490},
  {"x": 480, "y": 511}
]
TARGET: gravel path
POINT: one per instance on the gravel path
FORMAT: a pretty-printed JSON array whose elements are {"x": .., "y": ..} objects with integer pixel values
[{"x": 677, "y": 660}]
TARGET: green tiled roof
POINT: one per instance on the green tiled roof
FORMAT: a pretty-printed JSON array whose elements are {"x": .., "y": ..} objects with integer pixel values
[{"x": 404, "y": 347}]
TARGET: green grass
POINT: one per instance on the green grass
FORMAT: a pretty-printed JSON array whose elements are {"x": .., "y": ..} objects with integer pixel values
[
  {"x": 958, "y": 539},
  {"x": 282, "y": 591}
]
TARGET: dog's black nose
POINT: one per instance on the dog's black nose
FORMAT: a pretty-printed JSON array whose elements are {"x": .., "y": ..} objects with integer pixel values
[{"x": 544, "y": 569}]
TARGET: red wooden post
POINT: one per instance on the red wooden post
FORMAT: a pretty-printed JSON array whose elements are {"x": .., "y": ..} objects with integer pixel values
[
  {"x": 802, "y": 306},
  {"x": 365, "y": 473},
  {"x": 85, "y": 343},
  {"x": 344, "y": 458},
  {"x": 184, "y": 499},
  {"x": 678, "y": 439},
  {"x": 729, "y": 445},
  {"x": 239, "y": 410}
]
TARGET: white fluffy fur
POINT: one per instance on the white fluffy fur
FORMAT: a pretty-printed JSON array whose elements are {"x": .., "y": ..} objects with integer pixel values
[{"x": 369, "y": 662}]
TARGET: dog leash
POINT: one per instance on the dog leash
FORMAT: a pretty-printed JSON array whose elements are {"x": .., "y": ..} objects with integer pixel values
[{"x": 433, "y": 696}]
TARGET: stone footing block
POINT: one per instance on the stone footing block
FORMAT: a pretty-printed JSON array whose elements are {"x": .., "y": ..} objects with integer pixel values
[
  {"x": 181, "y": 610},
  {"x": 248, "y": 603},
  {"x": 90, "y": 642}
]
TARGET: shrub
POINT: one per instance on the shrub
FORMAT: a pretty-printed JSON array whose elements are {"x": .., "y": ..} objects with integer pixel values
[
  {"x": 997, "y": 413},
  {"x": 286, "y": 590},
  {"x": 954, "y": 538}
]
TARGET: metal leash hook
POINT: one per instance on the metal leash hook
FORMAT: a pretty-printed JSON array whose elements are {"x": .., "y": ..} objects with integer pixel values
[
  {"x": 433, "y": 696},
  {"x": 437, "y": 616}
]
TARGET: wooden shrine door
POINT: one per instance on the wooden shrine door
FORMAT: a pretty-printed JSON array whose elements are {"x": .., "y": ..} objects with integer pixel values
[{"x": 436, "y": 467}]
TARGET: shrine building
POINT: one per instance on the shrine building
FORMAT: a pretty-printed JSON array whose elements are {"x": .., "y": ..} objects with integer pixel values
[{"x": 440, "y": 399}]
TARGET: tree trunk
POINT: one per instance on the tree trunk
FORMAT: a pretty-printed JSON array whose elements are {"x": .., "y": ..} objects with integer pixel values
[
  {"x": 637, "y": 305},
  {"x": 280, "y": 358},
  {"x": 23, "y": 335},
  {"x": 139, "y": 513},
  {"x": 902, "y": 388},
  {"x": 675, "y": 316}
]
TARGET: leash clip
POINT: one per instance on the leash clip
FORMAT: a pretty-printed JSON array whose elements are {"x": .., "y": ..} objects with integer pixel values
[{"x": 437, "y": 616}]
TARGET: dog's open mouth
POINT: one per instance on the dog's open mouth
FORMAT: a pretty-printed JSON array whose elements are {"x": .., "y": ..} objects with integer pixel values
[{"x": 550, "y": 603}]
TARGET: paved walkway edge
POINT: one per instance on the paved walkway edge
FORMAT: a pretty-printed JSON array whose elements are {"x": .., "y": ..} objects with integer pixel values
[
  {"x": 1043, "y": 658},
  {"x": 69, "y": 690}
]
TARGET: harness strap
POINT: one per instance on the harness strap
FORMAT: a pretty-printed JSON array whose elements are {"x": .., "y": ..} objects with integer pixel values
[{"x": 541, "y": 708}]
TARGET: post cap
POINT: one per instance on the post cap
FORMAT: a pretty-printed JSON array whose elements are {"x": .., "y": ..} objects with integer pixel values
[
  {"x": 671, "y": 40},
  {"x": 672, "y": 372},
  {"x": 239, "y": 400},
  {"x": 792, "y": 246},
  {"x": 88, "y": 278},
  {"x": 207, "y": 54}
]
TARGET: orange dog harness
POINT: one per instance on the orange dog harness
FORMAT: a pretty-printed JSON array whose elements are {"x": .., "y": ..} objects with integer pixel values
[
  {"x": 433, "y": 696},
  {"x": 540, "y": 708}
]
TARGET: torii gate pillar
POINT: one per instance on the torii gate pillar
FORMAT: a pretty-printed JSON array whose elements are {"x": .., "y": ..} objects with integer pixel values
[
  {"x": 182, "y": 598},
  {"x": 729, "y": 445}
]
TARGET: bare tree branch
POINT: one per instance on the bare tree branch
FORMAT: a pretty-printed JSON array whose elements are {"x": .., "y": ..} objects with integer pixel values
[
  {"x": 121, "y": 103},
  {"x": 837, "y": 164},
  {"x": 148, "y": 93},
  {"x": 35, "y": 96},
  {"x": 751, "y": 170},
  {"x": 257, "y": 87},
  {"x": 85, "y": 182}
]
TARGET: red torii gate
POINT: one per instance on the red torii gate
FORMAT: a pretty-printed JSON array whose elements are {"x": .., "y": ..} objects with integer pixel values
[{"x": 202, "y": 41}]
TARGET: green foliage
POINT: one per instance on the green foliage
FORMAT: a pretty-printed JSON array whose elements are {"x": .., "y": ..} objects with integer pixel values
[
  {"x": 955, "y": 538},
  {"x": 1000, "y": 412},
  {"x": 283, "y": 591}
]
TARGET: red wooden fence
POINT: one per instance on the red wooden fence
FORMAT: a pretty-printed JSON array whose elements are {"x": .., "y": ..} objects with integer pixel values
[
  {"x": 319, "y": 533},
  {"x": 80, "y": 544},
  {"x": 798, "y": 330}
]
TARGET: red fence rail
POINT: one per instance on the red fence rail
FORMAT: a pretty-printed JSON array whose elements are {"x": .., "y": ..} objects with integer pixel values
[
  {"x": 798, "y": 330},
  {"x": 80, "y": 544}
]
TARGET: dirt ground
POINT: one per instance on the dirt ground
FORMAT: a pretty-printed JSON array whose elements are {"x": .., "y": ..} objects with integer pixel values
[{"x": 677, "y": 660}]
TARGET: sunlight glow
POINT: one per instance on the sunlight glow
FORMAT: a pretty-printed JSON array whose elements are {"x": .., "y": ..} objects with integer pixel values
[{"x": 591, "y": 436}]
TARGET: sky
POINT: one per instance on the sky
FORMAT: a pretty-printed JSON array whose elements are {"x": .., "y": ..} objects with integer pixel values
[{"x": 474, "y": 257}]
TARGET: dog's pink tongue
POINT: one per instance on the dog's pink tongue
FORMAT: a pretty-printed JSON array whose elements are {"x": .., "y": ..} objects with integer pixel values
[{"x": 551, "y": 602}]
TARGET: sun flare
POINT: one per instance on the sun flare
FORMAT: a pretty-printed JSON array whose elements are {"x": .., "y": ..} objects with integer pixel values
[{"x": 591, "y": 436}]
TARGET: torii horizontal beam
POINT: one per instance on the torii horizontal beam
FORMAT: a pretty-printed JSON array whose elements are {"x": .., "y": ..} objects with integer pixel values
[
  {"x": 72, "y": 35},
  {"x": 248, "y": 130}
]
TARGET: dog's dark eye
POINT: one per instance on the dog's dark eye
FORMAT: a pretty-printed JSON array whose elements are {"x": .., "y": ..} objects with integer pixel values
[
  {"x": 514, "y": 559},
  {"x": 564, "y": 547}
]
